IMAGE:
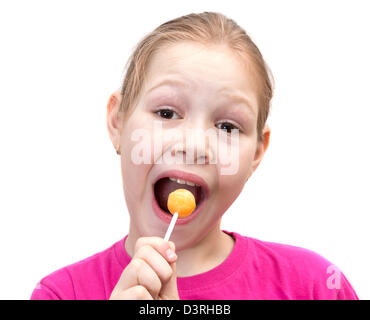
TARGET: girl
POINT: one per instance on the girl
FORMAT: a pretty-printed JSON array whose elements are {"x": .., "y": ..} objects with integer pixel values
[{"x": 192, "y": 74}]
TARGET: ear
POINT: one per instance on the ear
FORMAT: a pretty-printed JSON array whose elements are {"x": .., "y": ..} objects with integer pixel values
[
  {"x": 114, "y": 118},
  {"x": 260, "y": 149}
]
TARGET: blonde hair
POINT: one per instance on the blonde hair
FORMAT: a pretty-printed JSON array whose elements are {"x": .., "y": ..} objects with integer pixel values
[{"x": 205, "y": 28}]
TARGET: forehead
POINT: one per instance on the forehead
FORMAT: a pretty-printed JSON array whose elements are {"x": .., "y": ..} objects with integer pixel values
[{"x": 213, "y": 69}]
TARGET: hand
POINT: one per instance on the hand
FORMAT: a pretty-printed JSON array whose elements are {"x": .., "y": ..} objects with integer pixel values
[{"x": 151, "y": 274}]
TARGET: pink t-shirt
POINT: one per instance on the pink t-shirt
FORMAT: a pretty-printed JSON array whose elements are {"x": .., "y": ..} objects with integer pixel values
[{"x": 254, "y": 269}]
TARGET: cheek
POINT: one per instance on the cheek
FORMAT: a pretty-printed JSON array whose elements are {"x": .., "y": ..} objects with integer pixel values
[
  {"x": 236, "y": 161},
  {"x": 246, "y": 157},
  {"x": 230, "y": 185},
  {"x": 134, "y": 172}
]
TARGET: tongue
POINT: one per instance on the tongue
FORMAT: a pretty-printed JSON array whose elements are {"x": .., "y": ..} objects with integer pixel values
[{"x": 165, "y": 186}]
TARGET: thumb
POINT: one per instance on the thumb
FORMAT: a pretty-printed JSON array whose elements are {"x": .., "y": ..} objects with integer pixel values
[{"x": 169, "y": 289}]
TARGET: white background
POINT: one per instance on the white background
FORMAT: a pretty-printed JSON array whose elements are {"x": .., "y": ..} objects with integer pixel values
[{"x": 61, "y": 197}]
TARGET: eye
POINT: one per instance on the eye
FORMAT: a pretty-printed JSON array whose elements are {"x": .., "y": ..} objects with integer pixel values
[
  {"x": 227, "y": 126},
  {"x": 167, "y": 114}
]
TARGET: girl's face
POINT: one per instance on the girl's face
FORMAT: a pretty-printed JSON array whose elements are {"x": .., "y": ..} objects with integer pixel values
[{"x": 197, "y": 88}]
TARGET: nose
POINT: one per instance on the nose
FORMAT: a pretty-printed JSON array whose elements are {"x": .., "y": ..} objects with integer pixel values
[{"x": 192, "y": 153}]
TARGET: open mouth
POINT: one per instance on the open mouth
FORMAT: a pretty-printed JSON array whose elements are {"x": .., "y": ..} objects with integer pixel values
[{"x": 165, "y": 185}]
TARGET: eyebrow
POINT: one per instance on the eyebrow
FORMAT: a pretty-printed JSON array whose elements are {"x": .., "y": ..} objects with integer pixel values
[
  {"x": 237, "y": 98},
  {"x": 170, "y": 82}
]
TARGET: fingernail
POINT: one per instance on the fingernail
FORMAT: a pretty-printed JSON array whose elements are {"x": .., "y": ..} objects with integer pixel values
[{"x": 170, "y": 254}]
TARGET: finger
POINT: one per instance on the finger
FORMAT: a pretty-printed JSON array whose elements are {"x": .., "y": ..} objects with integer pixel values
[
  {"x": 169, "y": 289},
  {"x": 129, "y": 278},
  {"x": 148, "y": 278},
  {"x": 160, "y": 245},
  {"x": 156, "y": 261},
  {"x": 134, "y": 293},
  {"x": 138, "y": 272}
]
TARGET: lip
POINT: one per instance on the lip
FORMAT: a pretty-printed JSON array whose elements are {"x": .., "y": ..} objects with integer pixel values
[{"x": 184, "y": 176}]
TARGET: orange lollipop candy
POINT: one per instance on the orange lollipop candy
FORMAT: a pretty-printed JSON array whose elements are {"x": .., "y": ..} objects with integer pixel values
[{"x": 181, "y": 201}]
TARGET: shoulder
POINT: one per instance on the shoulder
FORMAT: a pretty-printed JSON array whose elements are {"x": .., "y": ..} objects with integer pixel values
[
  {"x": 84, "y": 279},
  {"x": 300, "y": 272},
  {"x": 287, "y": 255},
  {"x": 266, "y": 255}
]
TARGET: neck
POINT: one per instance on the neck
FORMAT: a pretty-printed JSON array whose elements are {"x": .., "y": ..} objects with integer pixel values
[{"x": 203, "y": 256}]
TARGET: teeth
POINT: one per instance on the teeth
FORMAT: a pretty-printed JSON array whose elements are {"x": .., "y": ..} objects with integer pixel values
[{"x": 184, "y": 182}]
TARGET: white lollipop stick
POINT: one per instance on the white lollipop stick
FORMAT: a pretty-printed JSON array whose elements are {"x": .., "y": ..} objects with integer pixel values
[{"x": 171, "y": 226}]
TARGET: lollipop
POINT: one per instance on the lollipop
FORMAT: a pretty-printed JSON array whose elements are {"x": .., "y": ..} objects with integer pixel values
[{"x": 181, "y": 202}]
